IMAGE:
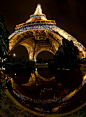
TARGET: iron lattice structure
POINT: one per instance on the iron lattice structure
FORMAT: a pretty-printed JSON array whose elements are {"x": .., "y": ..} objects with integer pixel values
[{"x": 39, "y": 34}]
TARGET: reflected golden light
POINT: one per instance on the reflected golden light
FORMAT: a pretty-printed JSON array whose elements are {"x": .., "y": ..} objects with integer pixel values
[
  {"x": 31, "y": 80},
  {"x": 45, "y": 79}
]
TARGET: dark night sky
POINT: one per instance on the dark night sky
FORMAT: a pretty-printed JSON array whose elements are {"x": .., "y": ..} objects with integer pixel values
[{"x": 69, "y": 15}]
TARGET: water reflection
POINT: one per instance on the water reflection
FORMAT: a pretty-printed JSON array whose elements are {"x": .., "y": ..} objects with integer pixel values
[
  {"x": 21, "y": 77},
  {"x": 41, "y": 87}
]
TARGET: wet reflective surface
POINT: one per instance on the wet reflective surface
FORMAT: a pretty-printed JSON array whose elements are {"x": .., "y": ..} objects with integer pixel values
[{"x": 47, "y": 92}]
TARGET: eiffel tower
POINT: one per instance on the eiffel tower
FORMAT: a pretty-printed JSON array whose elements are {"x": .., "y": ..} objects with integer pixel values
[{"x": 38, "y": 34}]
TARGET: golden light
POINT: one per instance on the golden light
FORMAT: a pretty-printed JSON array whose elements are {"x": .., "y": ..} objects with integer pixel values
[
  {"x": 30, "y": 57},
  {"x": 84, "y": 78},
  {"x": 14, "y": 54},
  {"x": 15, "y": 74}
]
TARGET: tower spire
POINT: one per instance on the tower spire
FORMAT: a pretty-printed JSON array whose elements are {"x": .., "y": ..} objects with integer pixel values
[
  {"x": 37, "y": 14},
  {"x": 38, "y": 10}
]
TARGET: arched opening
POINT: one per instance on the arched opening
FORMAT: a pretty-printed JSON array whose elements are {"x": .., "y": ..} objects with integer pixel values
[
  {"x": 19, "y": 51},
  {"x": 44, "y": 56}
]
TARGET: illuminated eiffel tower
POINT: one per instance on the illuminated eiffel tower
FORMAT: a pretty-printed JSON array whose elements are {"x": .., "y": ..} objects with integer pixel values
[{"x": 39, "y": 34}]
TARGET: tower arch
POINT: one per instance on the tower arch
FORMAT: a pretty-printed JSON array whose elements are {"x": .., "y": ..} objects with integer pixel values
[
  {"x": 42, "y": 50},
  {"x": 29, "y": 49},
  {"x": 19, "y": 51}
]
